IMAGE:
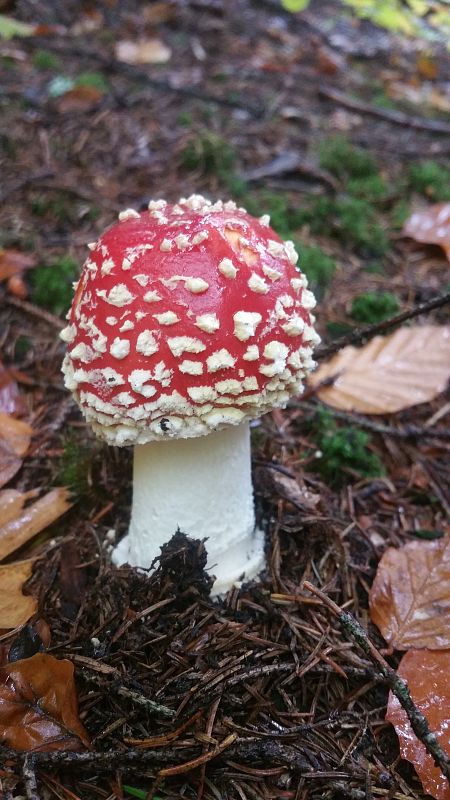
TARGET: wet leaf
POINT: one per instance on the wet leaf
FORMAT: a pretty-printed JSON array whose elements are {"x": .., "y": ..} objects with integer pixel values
[
  {"x": 426, "y": 672},
  {"x": 144, "y": 51},
  {"x": 31, "y": 639},
  {"x": 32, "y": 520},
  {"x": 11, "y": 401},
  {"x": 15, "y": 437},
  {"x": 15, "y": 607},
  {"x": 38, "y": 705},
  {"x": 409, "y": 367},
  {"x": 13, "y": 262},
  {"x": 410, "y": 596},
  {"x": 431, "y": 226},
  {"x": 80, "y": 98}
]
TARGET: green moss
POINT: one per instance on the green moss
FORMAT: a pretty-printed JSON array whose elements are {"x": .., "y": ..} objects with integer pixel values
[
  {"x": 52, "y": 284},
  {"x": 44, "y": 59},
  {"x": 400, "y": 212},
  {"x": 337, "y": 329},
  {"x": 351, "y": 220},
  {"x": 185, "y": 118},
  {"x": 96, "y": 80},
  {"x": 74, "y": 465},
  {"x": 317, "y": 266},
  {"x": 344, "y": 451},
  {"x": 344, "y": 160},
  {"x": 431, "y": 179},
  {"x": 372, "y": 188},
  {"x": 372, "y": 307},
  {"x": 208, "y": 153},
  {"x": 57, "y": 205}
]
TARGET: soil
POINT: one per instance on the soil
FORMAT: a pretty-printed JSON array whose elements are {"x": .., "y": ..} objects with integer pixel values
[{"x": 258, "y": 694}]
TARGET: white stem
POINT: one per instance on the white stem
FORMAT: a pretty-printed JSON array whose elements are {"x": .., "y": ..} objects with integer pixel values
[{"x": 202, "y": 486}]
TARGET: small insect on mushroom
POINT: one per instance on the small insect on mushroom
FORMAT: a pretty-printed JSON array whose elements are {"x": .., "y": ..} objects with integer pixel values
[{"x": 200, "y": 323}]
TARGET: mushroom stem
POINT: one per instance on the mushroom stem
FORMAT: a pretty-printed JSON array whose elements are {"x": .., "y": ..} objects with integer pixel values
[{"x": 202, "y": 486}]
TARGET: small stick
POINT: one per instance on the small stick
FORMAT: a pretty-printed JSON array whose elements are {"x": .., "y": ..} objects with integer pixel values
[
  {"x": 398, "y": 686},
  {"x": 35, "y": 311},
  {"x": 360, "y": 334},
  {"x": 405, "y": 432},
  {"x": 388, "y": 114}
]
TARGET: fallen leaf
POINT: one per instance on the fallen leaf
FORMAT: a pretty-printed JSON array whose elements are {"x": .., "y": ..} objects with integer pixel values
[
  {"x": 143, "y": 51},
  {"x": 13, "y": 262},
  {"x": 15, "y": 437},
  {"x": 11, "y": 504},
  {"x": 38, "y": 705},
  {"x": 15, "y": 607},
  {"x": 11, "y": 401},
  {"x": 426, "y": 672},
  {"x": 10, "y": 27},
  {"x": 80, "y": 98},
  {"x": 32, "y": 520},
  {"x": 431, "y": 226},
  {"x": 156, "y": 13},
  {"x": 410, "y": 596},
  {"x": 17, "y": 287},
  {"x": 409, "y": 367},
  {"x": 31, "y": 639},
  {"x": 290, "y": 490}
]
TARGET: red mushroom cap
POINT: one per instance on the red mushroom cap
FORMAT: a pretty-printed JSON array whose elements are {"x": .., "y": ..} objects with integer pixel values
[{"x": 187, "y": 318}]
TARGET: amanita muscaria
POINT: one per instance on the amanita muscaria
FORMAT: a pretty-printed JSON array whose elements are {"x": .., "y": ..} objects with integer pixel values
[{"x": 189, "y": 320}]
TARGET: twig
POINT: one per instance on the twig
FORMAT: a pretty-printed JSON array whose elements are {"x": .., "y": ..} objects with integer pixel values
[
  {"x": 111, "y": 64},
  {"x": 405, "y": 432},
  {"x": 35, "y": 311},
  {"x": 360, "y": 334},
  {"x": 29, "y": 778},
  {"x": 390, "y": 115},
  {"x": 150, "y": 705},
  {"x": 398, "y": 686}
]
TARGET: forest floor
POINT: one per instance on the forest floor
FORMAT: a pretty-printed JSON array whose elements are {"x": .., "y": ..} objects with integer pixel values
[{"x": 339, "y": 130}]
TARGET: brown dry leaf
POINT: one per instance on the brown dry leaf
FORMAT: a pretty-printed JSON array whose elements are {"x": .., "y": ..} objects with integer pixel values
[
  {"x": 32, "y": 520},
  {"x": 157, "y": 13},
  {"x": 11, "y": 504},
  {"x": 426, "y": 672},
  {"x": 15, "y": 437},
  {"x": 15, "y": 607},
  {"x": 431, "y": 226},
  {"x": 38, "y": 705},
  {"x": 389, "y": 373},
  {"x": 13, "y": 262},
  {"x": 410, "y": 596},
  {"x": 143, "y": 51},
  {"x": 80, "y": 98}
]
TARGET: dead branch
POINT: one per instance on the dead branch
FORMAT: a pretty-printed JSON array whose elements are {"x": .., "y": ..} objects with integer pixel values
[
  {"x": 396, "y": 117},
  {"x": 360, "y": 335},
  {"x": 404, "y": 432},
  {"x": 397, "y": 686}
]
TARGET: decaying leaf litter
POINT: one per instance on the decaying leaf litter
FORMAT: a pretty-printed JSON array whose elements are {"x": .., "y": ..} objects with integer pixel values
[{"x": 261, "y": 695}]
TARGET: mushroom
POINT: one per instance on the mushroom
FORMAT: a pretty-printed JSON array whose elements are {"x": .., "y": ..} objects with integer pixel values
[{"x": 189, "y": 320}]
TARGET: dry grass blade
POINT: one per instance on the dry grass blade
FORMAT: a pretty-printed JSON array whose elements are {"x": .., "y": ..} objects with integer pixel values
[
  {"x": 390, "y": 373},
  {"x": 15, "y": 607},
  {"x": 34, "y": 519}
]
